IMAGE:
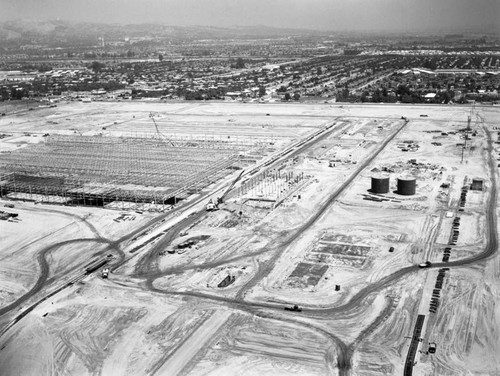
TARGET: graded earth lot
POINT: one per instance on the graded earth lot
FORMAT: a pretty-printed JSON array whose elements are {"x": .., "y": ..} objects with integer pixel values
[{"x": 199, "y": 286}]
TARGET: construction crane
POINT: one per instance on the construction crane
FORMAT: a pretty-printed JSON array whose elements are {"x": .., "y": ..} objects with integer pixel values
[
  {"x": 211, "y": 205},
  {"x": 158, "y": 133},
  {"x": 471, "y": 115},
  {"x": 467, "y": 131}
]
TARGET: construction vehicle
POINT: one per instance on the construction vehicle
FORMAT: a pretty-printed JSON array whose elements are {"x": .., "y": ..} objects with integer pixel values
[
  {"x": 432, "y": 348},
  {"x": 226, "y": 281},
  {"x": 212, "y": 206},
  {"x": 295, "y": 308},
  {"x": 187, "y": 244},
  {"x": 425, "y": 264},
  {"x": 8, "y": 216}
]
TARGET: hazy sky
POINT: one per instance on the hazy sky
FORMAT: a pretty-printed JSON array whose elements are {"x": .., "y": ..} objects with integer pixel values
[{"x": 313, "y": 14}]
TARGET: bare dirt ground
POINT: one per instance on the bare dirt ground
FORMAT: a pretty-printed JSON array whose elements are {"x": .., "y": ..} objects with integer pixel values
[{"x": 165, "y": 308}]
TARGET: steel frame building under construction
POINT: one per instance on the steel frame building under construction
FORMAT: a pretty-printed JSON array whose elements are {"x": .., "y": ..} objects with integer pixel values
[{"x": 122, "y": 173}]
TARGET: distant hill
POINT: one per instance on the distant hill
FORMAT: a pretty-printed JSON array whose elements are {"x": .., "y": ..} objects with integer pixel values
[{"x": 63, "y": 32}]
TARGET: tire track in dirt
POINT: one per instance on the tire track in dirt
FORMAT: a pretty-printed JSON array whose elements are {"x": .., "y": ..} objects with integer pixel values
[{"x": 44, "y": 270}]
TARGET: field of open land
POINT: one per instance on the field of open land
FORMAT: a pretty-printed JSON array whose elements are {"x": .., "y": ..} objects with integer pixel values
[{"x": 211, "y": 238}]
